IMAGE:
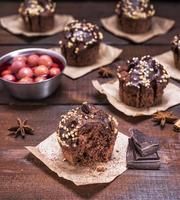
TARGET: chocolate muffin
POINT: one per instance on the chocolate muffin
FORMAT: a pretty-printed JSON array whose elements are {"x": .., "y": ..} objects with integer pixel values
[
  {"x": 38, "y": 15},
  {"x": 87, "y": 135},
  {"x": 80, "y": 43},
  {"x": 134, "y": 16},
  {"x": 176, "y": 50},
  {"x": 142, "y": 81}
]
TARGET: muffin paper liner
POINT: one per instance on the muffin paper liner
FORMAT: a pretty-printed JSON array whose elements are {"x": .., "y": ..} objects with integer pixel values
[
  {"x": 159, "y": 26},
  {"x": 167, "y": 60},
  {"x": 107, "y": 54},
  {"x": 15, "y": 25},
  {"x": 50, "y": 153},
  {"x": 171, "y": 97}
]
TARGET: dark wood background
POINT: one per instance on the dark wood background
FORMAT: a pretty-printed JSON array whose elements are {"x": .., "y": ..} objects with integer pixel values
[{"x": 22, "y": 176}]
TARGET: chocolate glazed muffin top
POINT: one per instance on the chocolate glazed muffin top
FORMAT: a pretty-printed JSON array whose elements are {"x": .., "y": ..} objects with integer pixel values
[
  {"x": 81, "y": 35},
  {"x": 37, "y": 7},
  {"x": 176, "y": 43},
  {"x": 80, "y": 120},
  {"x": 143, "y": 72},
  {"x": 135, "y": 9}
]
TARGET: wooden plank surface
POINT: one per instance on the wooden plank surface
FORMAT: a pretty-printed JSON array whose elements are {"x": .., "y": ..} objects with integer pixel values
[
  {"x": 69, "y": 91},
  {"x": 83, "y": 10},
  {"x": 22, "y": 176}
]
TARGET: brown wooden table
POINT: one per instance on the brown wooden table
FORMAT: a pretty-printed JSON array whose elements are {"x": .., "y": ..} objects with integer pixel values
[{"x": 22, "y": 176}]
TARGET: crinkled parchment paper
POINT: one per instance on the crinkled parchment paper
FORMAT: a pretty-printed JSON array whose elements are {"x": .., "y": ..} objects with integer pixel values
[
  {"x": 50, "y": 153},
  {"x": 159, "y": 26},
  {"x": 167, "y": 60},
  {"x": 107, "y": 55},
  {"x": 15, "y": 25},
  {"x": 171, "y": 97}
]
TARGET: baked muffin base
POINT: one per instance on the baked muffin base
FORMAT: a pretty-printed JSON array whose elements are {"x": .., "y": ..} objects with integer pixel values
[
  {"x": 94, "y": 148},
  {"x": 134, "y": 26},
  {"x": 84, "y": 58},
  {"x": 40, "y": 23},
  {"x": 177, "y": 60},
  {"x": 141, "y": 97}
]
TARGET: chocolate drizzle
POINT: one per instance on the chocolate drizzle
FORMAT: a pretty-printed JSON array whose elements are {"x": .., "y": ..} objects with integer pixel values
[
  {"x": 81, "y": 35},
  {"x": 143, "y": 72}
]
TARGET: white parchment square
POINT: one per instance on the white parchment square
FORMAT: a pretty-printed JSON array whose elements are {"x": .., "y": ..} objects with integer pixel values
[
  {"x": 167, "y": 60},
  {"x": 171, "y": 97},
  {"x": 15, "y": 25},
  {"x": 107, "y": 54},
  {"x": 50, "y": 153},
  {"x": 159, "y": 26}
]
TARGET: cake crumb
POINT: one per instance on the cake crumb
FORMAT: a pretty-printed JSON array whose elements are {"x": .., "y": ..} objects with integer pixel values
[{"x": 100, "y": 168}]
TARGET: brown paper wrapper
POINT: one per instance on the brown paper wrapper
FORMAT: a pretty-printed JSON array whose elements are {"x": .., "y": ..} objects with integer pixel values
[
  {"x": 107, "y": 55},
  {"x": 167, "y": 60},
  {"x": 15, "y": 25},
  {"x": 111, "y": 90},
  {"x": 50, "y": 153},
  {"x": 159, "y": 26}
]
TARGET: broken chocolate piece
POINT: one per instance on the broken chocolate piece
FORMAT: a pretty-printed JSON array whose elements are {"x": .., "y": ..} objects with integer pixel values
[
  {"x": 137, "y": 156},
  {"x": 145, "y": 163},
  {"x": 85, "y": 108},
  {"x": 144, "y": 144}
]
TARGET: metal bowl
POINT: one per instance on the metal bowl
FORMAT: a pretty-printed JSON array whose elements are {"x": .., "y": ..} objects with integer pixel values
[{"x": 32, "y": 91}]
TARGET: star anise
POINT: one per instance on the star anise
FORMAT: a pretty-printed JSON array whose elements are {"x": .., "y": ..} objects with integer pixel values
[
  {"x": 105, "y": 72},
  {"x": 161, "y": 118},
  {"x": 21, "y": 129},
  {"x": 176, "y": 127}
]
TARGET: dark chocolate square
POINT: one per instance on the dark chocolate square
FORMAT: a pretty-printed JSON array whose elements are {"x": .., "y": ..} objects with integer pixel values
[
  {"x": 144, "y": 144},
  {"x": 136, "y": 161}
]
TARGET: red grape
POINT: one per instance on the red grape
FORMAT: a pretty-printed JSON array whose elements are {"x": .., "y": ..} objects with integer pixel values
[
  {"x": 41, "y": 70},
  {"x": 30, "y": 69},
  {"x": 17, "y": 65},
  {"x": 26, "y": 80},
  {"x": 25, "y": 72},
  {"x": 20, "y": 58},
  {"x": 45, "y": 60},
  {"x": 9, "y": 77},
  {"x": 33, "y": 60},
  {"x": 61, "y": 66},
  {"x": 55, "y": 65},
  {"x": 5, "y": 72},
  {"x": 40, "y": 78},
  {"x": 54, "y": 71}
]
